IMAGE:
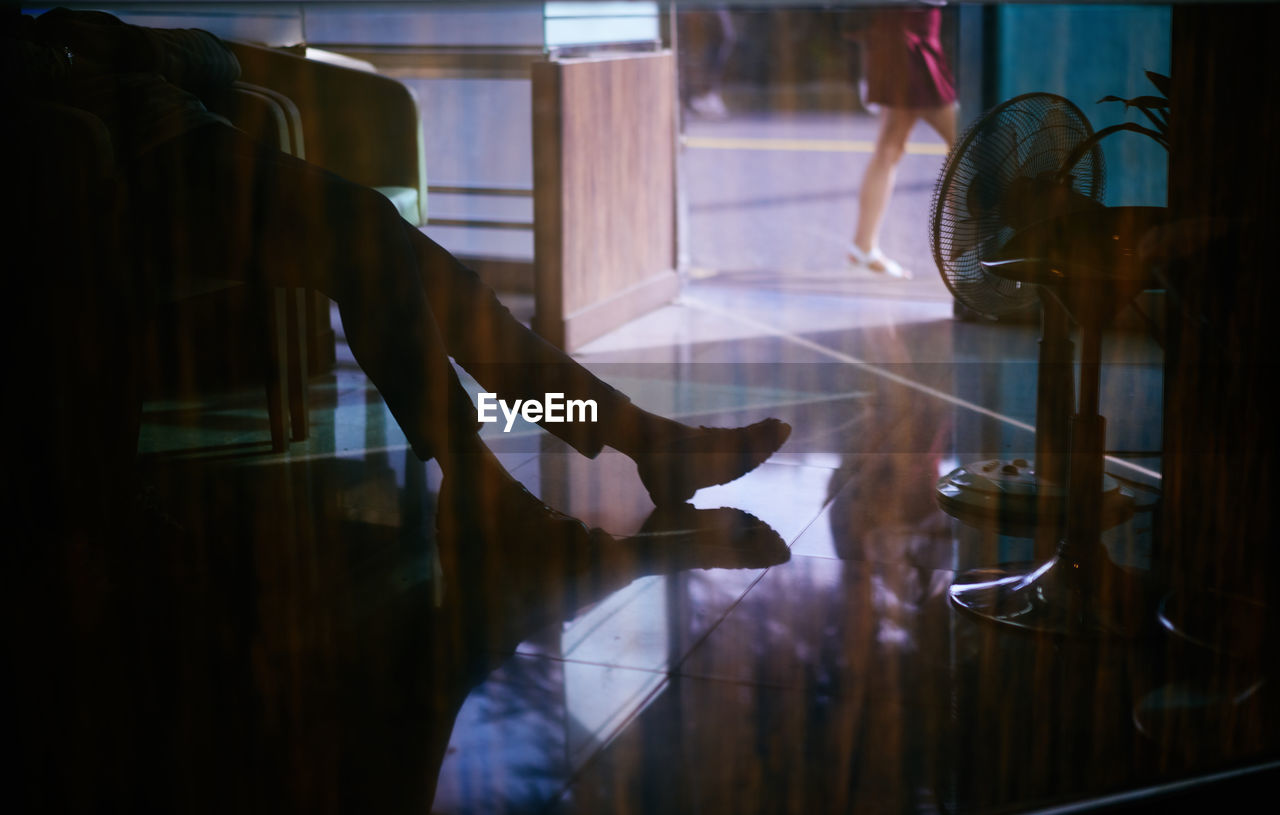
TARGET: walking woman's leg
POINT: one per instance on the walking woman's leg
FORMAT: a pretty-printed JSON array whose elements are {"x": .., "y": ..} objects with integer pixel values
[
  {"x": 877, "y": 181},
  {"x": 943, "y": 120}
]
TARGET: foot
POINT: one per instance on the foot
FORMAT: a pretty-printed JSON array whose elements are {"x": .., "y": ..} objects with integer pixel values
[
  {"x": 675, "y": 469},
  {"x": 875, "y": 261},
  {"x": 709, "y": 105}
]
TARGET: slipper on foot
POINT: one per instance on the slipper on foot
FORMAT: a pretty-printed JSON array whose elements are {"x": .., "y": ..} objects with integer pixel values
[{"x": 875, "y": 261}]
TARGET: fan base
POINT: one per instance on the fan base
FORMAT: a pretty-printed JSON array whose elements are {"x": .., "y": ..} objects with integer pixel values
[
  {"x": 1061, "y": 597},
  {"x": 1007, "y": 495}
]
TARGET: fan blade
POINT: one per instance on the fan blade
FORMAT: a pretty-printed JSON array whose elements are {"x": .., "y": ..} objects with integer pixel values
[
  {"x": 1053, "y": 138},
  {"x": 1005, "y": 174}
]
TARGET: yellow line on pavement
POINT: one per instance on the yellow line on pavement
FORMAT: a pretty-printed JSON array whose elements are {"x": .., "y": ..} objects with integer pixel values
[{"x": 806, "y": 145}]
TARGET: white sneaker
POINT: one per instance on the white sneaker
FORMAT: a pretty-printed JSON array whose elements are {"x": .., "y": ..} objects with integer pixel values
[
  {"x": 875, "y": 261},
  {"x": 709, "y": 105}
]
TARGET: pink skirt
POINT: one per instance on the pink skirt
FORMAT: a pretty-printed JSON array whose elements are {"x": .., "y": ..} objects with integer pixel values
[{"x": 905, "y": 65}]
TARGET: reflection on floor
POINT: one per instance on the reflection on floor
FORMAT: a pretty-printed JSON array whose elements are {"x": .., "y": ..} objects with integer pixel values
[{"x": 317, "y": 652}]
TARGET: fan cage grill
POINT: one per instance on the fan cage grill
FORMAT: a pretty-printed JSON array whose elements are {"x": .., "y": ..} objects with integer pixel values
[{"x": 1028, "y": 136}]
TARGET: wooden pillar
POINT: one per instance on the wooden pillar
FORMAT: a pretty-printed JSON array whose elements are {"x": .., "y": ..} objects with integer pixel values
[
  {"x": 1219, "y": 513},
  {"x": 604, "y": 192}
]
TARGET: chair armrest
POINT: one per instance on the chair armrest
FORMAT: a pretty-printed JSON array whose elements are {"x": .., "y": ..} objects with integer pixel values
[{"x": 288, "y": 110}]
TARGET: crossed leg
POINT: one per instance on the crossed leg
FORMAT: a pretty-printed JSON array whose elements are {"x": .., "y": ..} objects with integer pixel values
[{"x": 218, "y": 201}]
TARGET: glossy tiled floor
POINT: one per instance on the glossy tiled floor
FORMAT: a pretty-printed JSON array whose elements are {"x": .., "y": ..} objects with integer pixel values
[{"x": 794, "y": 653}]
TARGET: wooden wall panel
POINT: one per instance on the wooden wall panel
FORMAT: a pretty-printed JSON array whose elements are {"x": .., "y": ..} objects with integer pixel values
[
  {"x": 1219, "y": 517},
  {"x": 604, "y": 192}
]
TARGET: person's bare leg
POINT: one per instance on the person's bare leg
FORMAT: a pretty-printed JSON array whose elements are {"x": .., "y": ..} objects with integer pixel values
[
  {"x": 877, "y": 182},
  {"x": 943, "y": 121}
]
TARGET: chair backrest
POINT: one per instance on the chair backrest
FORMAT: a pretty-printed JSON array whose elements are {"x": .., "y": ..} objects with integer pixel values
[
  {"x": 362, "y": 126},
  {"x": 286, "y": 117},
  {"x": 267, "y": 116}
]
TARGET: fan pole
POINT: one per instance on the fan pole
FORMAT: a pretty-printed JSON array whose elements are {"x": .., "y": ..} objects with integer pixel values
[
  {"x": 1055, "y": 390},
  {"x": 1055, "y": 402},
  {"x": 1080, "y": 544},
  {"x": 1095, "y": 595}
]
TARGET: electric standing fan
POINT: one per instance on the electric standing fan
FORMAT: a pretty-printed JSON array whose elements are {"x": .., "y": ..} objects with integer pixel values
[
  {"x": 1007, "y": 174},
  {"x": 1016, "y": 217}
]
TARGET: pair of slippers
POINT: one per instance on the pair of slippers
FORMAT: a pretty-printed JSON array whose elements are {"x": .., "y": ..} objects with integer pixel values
[{"x": 875, "y": 261}]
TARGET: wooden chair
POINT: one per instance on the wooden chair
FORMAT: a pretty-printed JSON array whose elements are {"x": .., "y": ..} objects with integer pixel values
[
  {"x": 358, "y": 124},
  {"x": 77, "y": 271},
  {"x": 272, "y": 118}
]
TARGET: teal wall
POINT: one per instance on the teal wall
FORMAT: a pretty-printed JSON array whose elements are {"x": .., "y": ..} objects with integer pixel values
[{"x": 1085, "y": 53}]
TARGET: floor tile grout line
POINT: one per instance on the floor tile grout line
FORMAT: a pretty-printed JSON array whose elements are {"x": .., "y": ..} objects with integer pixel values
[
  {"x": 589, "y": 662},
  {"x": 849, "y": 359},
  {"x": 604, "y": 744},
  {"x": 672, "y": 671},
  {"x": 821, "y": 511},
  {"x": 658, "y": 689},
  {"x": 675, "y": 672}
]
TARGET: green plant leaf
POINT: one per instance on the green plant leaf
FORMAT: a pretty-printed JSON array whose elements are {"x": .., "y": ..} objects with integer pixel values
[
  {"x": 1155, "y": 108},
  {"x": 1143, "y": 102},
  {"x": 1160, "y": 81},
  {"x": 1161, "y": 124},
  {"x": 1147, "y": 102}
]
